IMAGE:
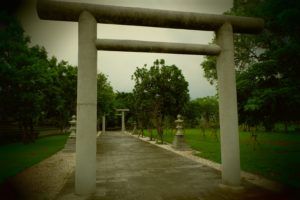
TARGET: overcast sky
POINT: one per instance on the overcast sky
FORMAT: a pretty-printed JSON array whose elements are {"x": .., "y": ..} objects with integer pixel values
[{"x": 61, "y": 40}]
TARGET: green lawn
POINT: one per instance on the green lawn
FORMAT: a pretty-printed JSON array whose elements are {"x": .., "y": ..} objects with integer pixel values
[
  {"x": 16, "y": 157},
  {"x": 276, "y": 155}
]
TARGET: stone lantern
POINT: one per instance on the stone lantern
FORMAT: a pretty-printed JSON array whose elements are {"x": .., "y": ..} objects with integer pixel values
[
  {"x": 73, "y": 127},
  {"x": 134, "y": 131},
  {"x": 71, "y": 142},
  {"x": 179, "y": 142}
]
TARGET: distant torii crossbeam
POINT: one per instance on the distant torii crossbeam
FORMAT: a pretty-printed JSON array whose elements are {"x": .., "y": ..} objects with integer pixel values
[{"x": 88, "y": 15}]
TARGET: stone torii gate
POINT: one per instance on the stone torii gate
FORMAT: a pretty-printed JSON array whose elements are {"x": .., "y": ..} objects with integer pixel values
[
  {"x": 88, "y": 15},
  {"x": 123, "y": 117}
]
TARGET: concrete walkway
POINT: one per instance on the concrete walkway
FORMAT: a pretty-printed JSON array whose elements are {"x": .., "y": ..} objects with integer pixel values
[{"x": 131, "y": 169}]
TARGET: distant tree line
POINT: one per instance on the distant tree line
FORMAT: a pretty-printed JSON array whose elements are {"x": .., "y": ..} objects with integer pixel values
[{"x": 202, "y": 113}]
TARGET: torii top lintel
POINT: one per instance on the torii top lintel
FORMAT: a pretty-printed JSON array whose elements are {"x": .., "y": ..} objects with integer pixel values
[{"x": 70, "y": 11}]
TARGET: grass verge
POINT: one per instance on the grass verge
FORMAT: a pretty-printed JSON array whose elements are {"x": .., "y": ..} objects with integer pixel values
[
  {"x": 16, "y": 157},
  {"x": 273, "y": 155}
]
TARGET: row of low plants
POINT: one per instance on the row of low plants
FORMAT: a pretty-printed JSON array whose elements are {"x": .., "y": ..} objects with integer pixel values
[
  {"x": 271, "y": 155},
  {"x": 16, "y": 157}
]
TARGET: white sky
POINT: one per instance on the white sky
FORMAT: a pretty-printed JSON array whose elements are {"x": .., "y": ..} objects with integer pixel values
[{"x": 60, "y": 40}]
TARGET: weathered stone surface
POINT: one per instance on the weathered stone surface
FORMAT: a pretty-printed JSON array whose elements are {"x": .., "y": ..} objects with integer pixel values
[
  {"x": 103, "y": 123},
  {"x": 179, "y": 141},
  {"x": 86, "y": 105},
  {"x": 156, "y": 47},
  {"x": 69, "y": 11},
  {"x": 230, "y": 147}
]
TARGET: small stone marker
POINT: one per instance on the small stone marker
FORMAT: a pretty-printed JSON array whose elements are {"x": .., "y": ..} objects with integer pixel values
[
  {"x": 179, "y": 142},
  {"x": 103, "y": 123},
  {"x": 71, "y": 142}
]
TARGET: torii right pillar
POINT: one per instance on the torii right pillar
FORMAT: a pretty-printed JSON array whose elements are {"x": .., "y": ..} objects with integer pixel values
[{"x": 230, "y": 149}]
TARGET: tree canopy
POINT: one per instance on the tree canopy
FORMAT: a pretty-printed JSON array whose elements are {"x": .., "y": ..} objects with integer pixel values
[
  {"x": 267, "y": 64},
  {"x": 105, "y": 96},
  {"x": 159, "y": 91},
  {"x": 202, "y": 111},
  {"x": 33, "y": 88},
  {"x": 36, "y": 89}
]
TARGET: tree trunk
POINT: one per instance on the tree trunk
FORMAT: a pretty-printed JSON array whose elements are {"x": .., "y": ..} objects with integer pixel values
[
  {"x": 160, "y": 130},
  {"x": 150, "y": 133},
  {"x": 29, "y": 135}
]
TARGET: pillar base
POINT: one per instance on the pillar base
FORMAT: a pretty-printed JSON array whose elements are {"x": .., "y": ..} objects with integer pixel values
[
  {"x": 235, "y": 188},
  {"x": 70, "y": 145},
  {"x": 180, "y": 144}
]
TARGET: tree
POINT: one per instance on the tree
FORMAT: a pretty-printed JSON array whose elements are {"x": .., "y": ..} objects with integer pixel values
[
  {"x": 61, "y": 93},
  {"x": 159, "y": 92},
  {"x": 13, "y": 49},
  {"x": 23, "y": 70},
  {"x": 123, "y": 100},
  {"x": 105, "y": 96},
  {"x": 204, "y": 110},
  {"x": 192, "y": 114},
  {"x": 276, "y": 89},
  {"x": 267, "y": 64},
  {"x": 32, "y": 87},
  {"x": 209, "y": 108}
]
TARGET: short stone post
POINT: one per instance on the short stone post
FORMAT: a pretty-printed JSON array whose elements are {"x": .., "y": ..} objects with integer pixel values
[
  {"x": 179, "y": 142},
  {"x": 123, "y": 122},
  {"x": 103, "y": 124}
]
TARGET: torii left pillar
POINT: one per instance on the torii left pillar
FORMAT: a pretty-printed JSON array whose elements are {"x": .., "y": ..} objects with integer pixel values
[{"x": 85, "y": 171}]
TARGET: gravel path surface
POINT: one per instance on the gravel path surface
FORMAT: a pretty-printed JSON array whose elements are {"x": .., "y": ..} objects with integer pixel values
[
  {"x": 42, "y": 181},
  {"x": 253, "y": 178},
  {"x": 131, "y": 169}
]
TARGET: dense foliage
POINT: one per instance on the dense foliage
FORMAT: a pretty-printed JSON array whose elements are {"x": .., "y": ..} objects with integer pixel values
[
  {"x": 33, "y": 88},
  {"x": 37, "y": 90},
  {"x": 160, "y": 91},
  {"x": 105, "y": 97},
  {"x": 202, "y": 112},
  {"x": 267, "y": 64}
]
